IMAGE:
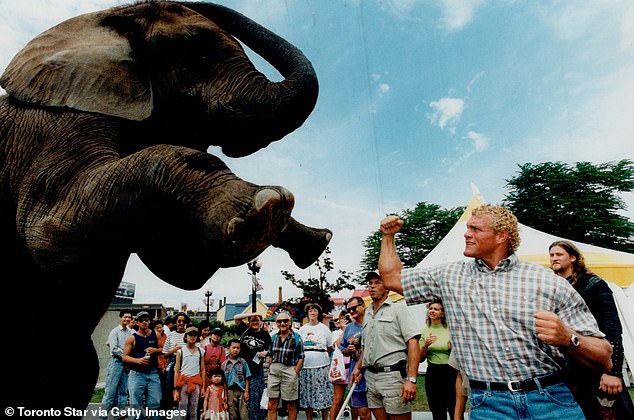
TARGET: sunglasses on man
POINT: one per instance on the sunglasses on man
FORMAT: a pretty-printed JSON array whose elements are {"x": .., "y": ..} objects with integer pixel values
[{"x": 353, "y": 308}]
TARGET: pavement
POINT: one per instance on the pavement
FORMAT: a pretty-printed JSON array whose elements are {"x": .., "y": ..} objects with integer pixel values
[{"x": 92, "y": 413}]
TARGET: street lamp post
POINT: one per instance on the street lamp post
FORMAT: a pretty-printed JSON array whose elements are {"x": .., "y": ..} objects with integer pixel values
[
  {"x": 254, "y": 267},
  {"x": 208, "y": 294}
]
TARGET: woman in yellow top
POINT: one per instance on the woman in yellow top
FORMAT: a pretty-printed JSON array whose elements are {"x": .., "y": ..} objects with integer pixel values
[{"x": 440, "y": 379}]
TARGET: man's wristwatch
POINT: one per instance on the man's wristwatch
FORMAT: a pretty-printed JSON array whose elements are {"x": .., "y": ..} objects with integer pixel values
[
  {"x": 574, "y": 342},
  {"x": 412, "y": 379}
]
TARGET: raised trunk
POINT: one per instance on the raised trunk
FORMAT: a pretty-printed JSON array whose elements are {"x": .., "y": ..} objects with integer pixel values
[{"x": 282, "y": 106}]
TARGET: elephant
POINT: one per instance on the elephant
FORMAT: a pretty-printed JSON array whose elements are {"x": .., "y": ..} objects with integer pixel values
[{"x": 104, "y": 131}]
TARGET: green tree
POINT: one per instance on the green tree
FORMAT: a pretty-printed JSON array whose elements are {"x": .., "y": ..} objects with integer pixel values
[
  {"x": 579, "y": 202},
  {"x": 318, "y": 289},
  {"x": 423, "y": 227}
]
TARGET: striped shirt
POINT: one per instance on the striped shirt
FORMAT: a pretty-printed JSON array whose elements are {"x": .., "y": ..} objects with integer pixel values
[
  {"x": 490, "y": 314},
  {"x": 288, "y": 351}
]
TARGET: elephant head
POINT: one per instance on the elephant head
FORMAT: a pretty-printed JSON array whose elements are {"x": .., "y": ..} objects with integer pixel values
[
  {"x": 170, "y": 61},
  {"x": 173, "y": 73}
]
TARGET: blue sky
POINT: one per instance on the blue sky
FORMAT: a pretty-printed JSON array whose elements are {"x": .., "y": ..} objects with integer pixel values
[{"x": 418, "y": 100}]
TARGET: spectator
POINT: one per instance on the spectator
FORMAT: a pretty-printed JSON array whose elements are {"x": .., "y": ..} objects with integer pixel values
[
  {"x": 599, "y": 394},
  {"x": 285, "y": 362},
  {"x": 254, "y": 346},
  {"x": 339, "y": 387},
  {"x": 237, "y": 374},
  {"x": 204, "y": 327},
  {"x": 214, "y": 354},
  {"x": 390, "y": 354},
  {"x": 116, "y": 387},
  {"x": 315, "y": 390},
  {"x": 189, "y": 372},
  {"x": 215, "y": 405},
  {"x": 169, "y": 324},
  {"x": 351, "y": 347},
  {"x": 141, "y": 355},
  {"x": 440, "y": 378},
  {"x": 173, "y": 343},
  {"x": 133, "y": 324},
  {"x": 157, "y": 327}
]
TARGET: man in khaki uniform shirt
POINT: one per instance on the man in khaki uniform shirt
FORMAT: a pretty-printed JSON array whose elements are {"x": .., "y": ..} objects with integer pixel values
[{"x": 390, "y": 353}]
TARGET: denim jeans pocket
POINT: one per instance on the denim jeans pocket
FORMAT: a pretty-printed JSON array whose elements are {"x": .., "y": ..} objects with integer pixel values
[
  {"x": 477, "y": 398},
  {"x": 560, "y": 394}
]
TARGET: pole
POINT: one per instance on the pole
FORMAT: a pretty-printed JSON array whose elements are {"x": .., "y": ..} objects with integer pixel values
[
  {"x": 254, "y": 266},
  {"x": 343, "y": 406},
  {"x": 253, "y": 291},
  {"x": 208, "y": 294}
]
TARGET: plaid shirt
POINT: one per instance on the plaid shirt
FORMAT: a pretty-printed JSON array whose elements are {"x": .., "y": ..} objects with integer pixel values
[
  {"x": 490, "y": 314},
  {"x": 236, "y": 372},
  {"x": 287, "y": 352}
]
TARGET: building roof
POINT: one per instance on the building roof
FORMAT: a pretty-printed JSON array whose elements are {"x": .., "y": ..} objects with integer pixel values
[
  {"x": 361, "y": 293},
  {"x": 232, "y": 309}
]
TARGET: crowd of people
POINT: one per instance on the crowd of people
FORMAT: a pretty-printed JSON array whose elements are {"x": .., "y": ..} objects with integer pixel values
[{"x": 514, "y": 339}]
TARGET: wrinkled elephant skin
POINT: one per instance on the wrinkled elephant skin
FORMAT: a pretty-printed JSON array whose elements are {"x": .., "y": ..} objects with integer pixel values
[{"x": 103, "y": 137}]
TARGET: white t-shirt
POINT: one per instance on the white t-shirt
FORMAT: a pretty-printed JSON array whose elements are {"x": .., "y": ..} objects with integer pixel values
[
  {"x": 190, "y": 362},
  {"x": 316, "y": 339}
]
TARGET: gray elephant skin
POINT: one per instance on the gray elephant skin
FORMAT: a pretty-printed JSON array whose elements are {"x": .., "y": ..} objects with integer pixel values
[{"x": 104, "y": 132}]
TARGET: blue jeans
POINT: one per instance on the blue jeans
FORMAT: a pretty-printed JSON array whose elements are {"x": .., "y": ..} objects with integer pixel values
[
  {"x": 116, "y": 388},
  {"x": 551, "y": 402},
  {"x": 145, "y": 386}
]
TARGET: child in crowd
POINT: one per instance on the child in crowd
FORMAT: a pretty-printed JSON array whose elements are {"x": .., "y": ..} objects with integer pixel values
[
  {"x": 215, "y": 405},
  {"x": 214, "y": 354},
  {"x": 237, "y": 374},
  {"x": 189, "y": 373}
]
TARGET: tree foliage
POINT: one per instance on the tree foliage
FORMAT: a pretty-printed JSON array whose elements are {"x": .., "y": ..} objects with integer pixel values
[
  {"x": 318, "y": 289},
  {"x": 579, "y": 202},
  {"x": 423, "y": 227}
]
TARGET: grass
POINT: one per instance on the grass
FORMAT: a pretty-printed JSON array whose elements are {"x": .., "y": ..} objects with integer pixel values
[
  {"x": 97, "y": 395},
  {"x": 420, "y": 404}
]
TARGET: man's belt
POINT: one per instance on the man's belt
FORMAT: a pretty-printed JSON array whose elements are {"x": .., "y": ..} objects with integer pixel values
[
  {"x": 529, "y": 384},
  {"x": 114, "y": 356},
  {"x": 396, "y": 367},
  {"x": 321, "y": 350}
]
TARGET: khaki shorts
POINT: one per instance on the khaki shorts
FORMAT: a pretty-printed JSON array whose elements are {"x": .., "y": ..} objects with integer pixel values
[
  {"x": 384, "y": 391},
  {"x": 283, "y": 380}
]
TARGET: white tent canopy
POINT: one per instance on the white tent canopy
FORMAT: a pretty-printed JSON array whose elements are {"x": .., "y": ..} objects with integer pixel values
[{"x": 616, "y": 267}]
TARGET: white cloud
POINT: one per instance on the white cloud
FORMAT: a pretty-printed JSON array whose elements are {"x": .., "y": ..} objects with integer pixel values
[
  {"x": 480, "y": 141},
  {"x": 457, "y": 13},
  {"x": 571, "y": 21},
  {"x": 384, "y": 88},
  {"x": 446, "y": 112},
  {"x": 451, "y": 15}
]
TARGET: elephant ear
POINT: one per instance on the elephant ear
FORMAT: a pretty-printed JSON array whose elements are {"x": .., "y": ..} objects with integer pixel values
[{"x": 83, "y": 65}]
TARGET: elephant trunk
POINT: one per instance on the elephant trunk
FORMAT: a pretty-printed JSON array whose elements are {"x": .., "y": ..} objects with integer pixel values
[{"x": 269, "y": 110}]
